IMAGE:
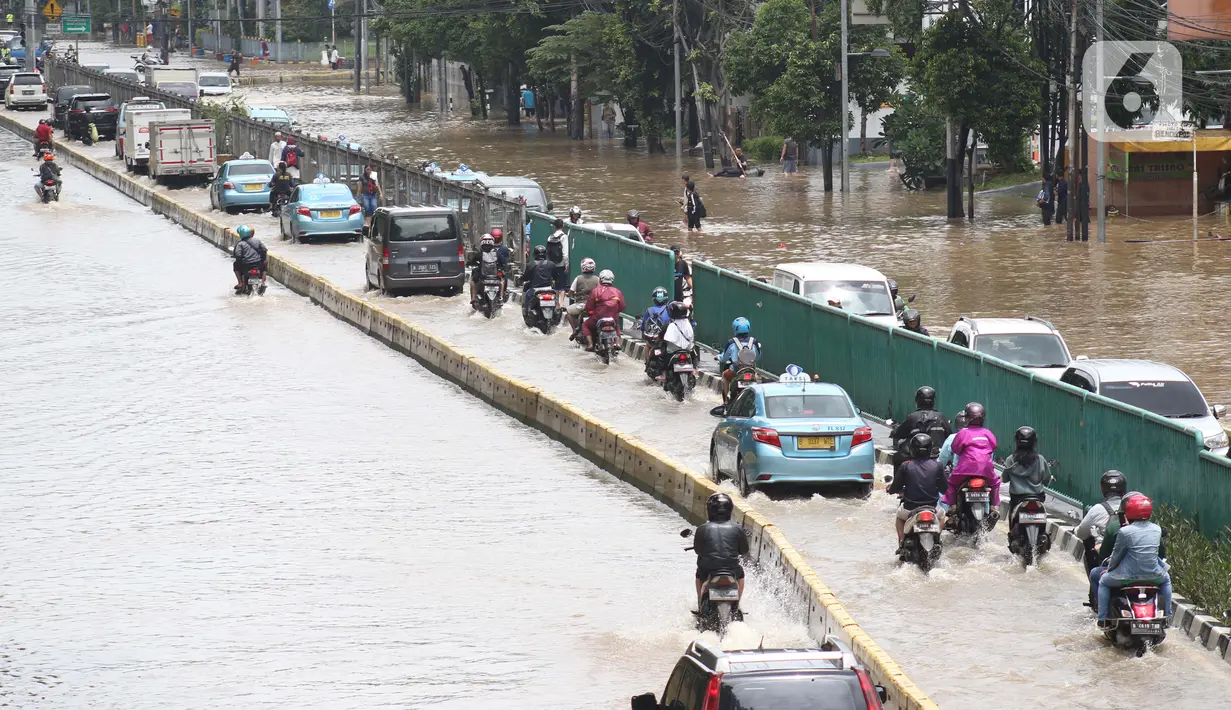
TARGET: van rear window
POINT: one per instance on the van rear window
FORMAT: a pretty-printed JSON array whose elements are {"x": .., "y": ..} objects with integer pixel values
[{"x": 422, "y": 228}]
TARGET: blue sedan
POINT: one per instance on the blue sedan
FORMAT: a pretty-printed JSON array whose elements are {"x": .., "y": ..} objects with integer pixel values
[
  {"x": 241, "y": 185},
  {"x": 794, "y": 433},
  {"x": 321, "y": 210}
]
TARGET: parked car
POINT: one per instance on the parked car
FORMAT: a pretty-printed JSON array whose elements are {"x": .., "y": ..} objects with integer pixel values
[
  {"x": 519, "y": 188},
  {"x": 623, "y": 229},
  {"x": 321, "y": 210},
  {"x": 63, "y": 97},
  {"x": 859, "y": 289},
  {"x": 96, "y": 66},
  {"x": 214, "y": 83},
  {"x": 123, "y": 75},
  {"x": 241, "y": 185},
  {"x": 98, "y": 109},
  {"x": 136, "y": 103},
  {"x": 26, "y": 89},
  {"x": 708, "y": 678},
  {"x": 6, "y": 75},
  {"x": 1029, "y": 342},
  {"x": 187, "y": 89},
  {"x": 272, "y": 115},
  {"x": 415, "y": 247},
  {"x": 1155, "y": 387},
  {"x": 794, "y": 432}
]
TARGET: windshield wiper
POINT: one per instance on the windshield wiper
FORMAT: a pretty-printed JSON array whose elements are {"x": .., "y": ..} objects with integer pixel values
[
  {"x": 1190, "y": 415},
  {"x": 1059, "y": 364},
  {"x": 876, "y": 313}
]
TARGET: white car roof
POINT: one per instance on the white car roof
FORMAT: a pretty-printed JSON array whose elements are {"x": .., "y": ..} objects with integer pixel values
[
  {"x": 828, "y": 271},
  {"x": 1120, "y": 370},
  {"x": 1005, "y": 326},
  {"x": 222, "y": 74}
]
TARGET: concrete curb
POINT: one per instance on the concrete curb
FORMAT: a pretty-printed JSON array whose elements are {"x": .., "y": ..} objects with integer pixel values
[{"x": 622, "y": 455}]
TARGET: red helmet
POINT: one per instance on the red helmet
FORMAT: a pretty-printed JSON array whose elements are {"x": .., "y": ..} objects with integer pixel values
[
  {"x": 1138, "y": 507},
  {"x": 498, "y": 234}
]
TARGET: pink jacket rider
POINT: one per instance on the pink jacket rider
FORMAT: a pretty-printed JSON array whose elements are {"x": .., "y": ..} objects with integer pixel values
[{"x": 973, "y": 447}]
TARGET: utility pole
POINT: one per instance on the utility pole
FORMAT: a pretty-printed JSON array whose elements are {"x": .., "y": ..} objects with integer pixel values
[
  {"x": 165, "y": 44},
  {"x": 846, "y": 101},
  {"x": 31, "y": 37},
  {"x": 260, "y": 19},
  {"x": 192, "y": 39},
  {"x": 355, "y": 31},
  {"x": 278, "y": 17},
  {"x": 1102, "y": 138},
  {"x": 675, "y": 52},
  {"x": 1074, "y": 131}
]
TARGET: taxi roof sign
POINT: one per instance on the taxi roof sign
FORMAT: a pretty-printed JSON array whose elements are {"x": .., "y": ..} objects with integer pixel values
[{"x": 794, "y": 373}]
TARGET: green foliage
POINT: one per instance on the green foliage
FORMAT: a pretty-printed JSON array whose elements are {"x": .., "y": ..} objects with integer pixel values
[
  {"x": 1200, "y": 567},
  {"x": 582, "y": 42},
  {"x": 874, "y": 79},
  {"x": 917, "y": 132},
  {"x": 765, "y": 149}
]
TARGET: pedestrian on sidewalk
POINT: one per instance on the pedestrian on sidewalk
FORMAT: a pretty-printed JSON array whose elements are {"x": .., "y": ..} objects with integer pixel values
[
  {"x": 370, "y": 194},
  {"x": 1046, "y": 199},
  {"x": 694, "y": 208},
  {"x": 1061, "y": 193},
  {"x": 276, "y": 148},
  {"x": 789, "y": 157},
  {"x": 236, "y": 57},
  {"x": 334, "y": 60}
]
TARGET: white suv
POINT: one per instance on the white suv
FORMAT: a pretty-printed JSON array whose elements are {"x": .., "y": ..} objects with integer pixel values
[
  {"x": 26, "y": 90},
  {"x": 1028, "y": 342}
]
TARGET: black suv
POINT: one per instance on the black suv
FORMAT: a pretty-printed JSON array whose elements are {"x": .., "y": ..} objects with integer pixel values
[
  {"x": 707, "y": 678},
  {"x": 98, "y": 109},
  {"x": 60, "y": 100}
]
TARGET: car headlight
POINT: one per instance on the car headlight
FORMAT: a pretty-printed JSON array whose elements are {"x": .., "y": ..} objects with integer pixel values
[{"x": 1216, "y": 441}]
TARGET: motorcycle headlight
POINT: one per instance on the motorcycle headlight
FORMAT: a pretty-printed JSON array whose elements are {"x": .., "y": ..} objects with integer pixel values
[{"x": 1216, "y": 441}]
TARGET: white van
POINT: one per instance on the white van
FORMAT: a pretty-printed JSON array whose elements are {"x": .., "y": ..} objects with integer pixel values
[
  {"x": 858, "y": 289},
  {"x": 137, "y": 132}
]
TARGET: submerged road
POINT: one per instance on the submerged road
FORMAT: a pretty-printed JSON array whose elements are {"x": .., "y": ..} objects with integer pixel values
[{"x": 211, "y": 501}]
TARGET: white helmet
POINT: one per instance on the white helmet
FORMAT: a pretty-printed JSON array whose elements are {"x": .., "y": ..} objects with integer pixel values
[
  {"x": 575, "y": 210},
  {"x": 588, "y": 265},
  {"x": 487, "y": 239},
  {"x": 606, "y": 277}
]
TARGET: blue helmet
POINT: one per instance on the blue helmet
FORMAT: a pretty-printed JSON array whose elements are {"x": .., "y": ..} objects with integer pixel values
[
  {"x": 660, "y": 296},
  {"x": 741, "y": 326},
  {"x": 244, "y": 231}
]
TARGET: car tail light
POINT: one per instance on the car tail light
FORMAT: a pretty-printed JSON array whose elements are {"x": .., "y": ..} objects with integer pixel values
[
  {"x": 549, "y": 296},
  {"x": 354, "y": 209},
  {"x": 866, "y": 476},
  {"x": 711, "y": 692},
  {"x": 228, "y": 185},
  {"x": 862, "y": 436},
  {"x": 384, "y": 259},
  {"x": 461, "y": 253},
  {"x": 870, "y": 694},
  {"x": 112, "y": 109},
  {"x": 77, "y": 110},
  {"x": 303, "y": 211},
  {"x": 766, "y": 436},
  {"x": 977, "y": 483},
  {"x": 926, "y": 516},
  {"x": 764, "y": 477}
]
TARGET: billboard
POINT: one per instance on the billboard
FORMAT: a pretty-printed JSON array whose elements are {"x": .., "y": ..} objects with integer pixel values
[{"x": 1199, "y": 19}]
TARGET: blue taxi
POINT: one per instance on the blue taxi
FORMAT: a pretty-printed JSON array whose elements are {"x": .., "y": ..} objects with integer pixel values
[
  {"x": 794, "y": 432},
  {"x": 321, "y": 209},
  {"x": 241, "y": 184}
]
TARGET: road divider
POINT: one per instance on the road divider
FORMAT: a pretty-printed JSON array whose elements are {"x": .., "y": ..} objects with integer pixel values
[{"x": 623, "y": 455}]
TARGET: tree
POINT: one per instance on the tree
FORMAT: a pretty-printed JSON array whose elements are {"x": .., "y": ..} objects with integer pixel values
[
  {"x": 917, "y": 132},
  {"x": 873, "y": 79},
  {"x": 577, "y": 58}
]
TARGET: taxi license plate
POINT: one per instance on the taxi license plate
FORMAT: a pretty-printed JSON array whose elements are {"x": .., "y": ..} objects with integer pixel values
[
  {"x": 331, "y": 214},
  {"x": 254, "y": 187},
  {"x": 816, "y": 442},
  {"x": 978, "y": 496}
]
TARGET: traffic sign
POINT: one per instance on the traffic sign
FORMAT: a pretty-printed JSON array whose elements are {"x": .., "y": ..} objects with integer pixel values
[
  {"x": 53, "y": 28},
  {"x": 52, "y": 10},
  {"x": 76, "y": 25}
]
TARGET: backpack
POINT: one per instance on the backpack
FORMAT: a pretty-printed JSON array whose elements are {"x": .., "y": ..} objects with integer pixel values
[
  {"x": 699, "y": 209},
  {"x": 555, "y": 250},
  {"x": 933, "y": 425},
  {"x": 489, "y": 264},
  {"x": 292, "y": 156}
]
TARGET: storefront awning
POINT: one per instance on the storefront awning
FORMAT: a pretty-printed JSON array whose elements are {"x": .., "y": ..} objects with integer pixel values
[{"x": 1207, "y": 141}]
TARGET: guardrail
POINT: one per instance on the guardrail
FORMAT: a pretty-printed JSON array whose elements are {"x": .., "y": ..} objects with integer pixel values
[{"x": 401, "y": 183}]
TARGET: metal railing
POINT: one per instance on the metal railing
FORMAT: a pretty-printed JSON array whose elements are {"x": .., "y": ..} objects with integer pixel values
[{"x": 401, "y": 183}]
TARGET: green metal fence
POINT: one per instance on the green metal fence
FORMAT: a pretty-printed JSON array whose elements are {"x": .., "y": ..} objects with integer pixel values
[
  {"x": 881, "y": 368},
  {"x": 639, "y": 268}
]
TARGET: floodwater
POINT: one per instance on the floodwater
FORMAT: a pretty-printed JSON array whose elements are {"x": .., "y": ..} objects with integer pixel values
[{"x": 212, "y": 501}]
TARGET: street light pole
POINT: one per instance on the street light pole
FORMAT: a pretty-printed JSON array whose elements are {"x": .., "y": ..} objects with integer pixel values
[{"x": 842, "y": 109}]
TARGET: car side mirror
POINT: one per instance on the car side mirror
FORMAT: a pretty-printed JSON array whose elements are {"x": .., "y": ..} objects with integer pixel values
[
  {"x": 1218, "y": 410},
  {"x": 648, "y": 701},
  {"x": 719, "y": 411},
  {"x": 882, "y": 693},
  {"x": 686, "y": 532}
]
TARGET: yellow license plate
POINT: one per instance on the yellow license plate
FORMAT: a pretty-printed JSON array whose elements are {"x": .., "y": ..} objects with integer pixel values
[
  {"x": 331, "y": 214},
  {"x": 253, "y": 187},
  {"x": 816, "y": 442}
]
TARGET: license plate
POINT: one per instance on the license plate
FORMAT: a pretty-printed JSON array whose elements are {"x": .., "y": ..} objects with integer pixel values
[
  {"x": 683, "y": 367},
  {"x": 1032, "y": 518},
  {"x": 1147, "y": 629},
  {"x": 27, "y": 93},
  {"x": 424, "y": 268},
  {"x": 978, "y": 496},
  {"x": 253, "y": 187},
  {"x": 547, "y": 301},
  {"x": 816, "y": 442},
  {"x": 330, "y": 214},
  {"x": 930, "y": 527},
  {"x": 724, "y": 593}
]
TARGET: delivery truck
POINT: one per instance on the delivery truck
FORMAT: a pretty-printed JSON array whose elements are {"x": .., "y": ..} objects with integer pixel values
[
  {"x": 182, "y": 148},
  {"x": 136, "y": 148}
]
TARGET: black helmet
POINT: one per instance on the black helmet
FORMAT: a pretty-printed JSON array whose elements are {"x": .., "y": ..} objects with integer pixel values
[
  {"x": 893, "y": 287},
  {"x": 1025, "y": 438},
  {"x": 925, "y": 398},
  {"x": 910, "y": 318},
  {"x": 677, "y": 310},
  {"x": 920, "y": 445},
  {"x": 540, "y": 252},
  {"x": 1113, "y": 483},
  {"x": 975, "y": 414},
  {"x": 959, "y": 421},
  {"x": 718, "y": 508}
]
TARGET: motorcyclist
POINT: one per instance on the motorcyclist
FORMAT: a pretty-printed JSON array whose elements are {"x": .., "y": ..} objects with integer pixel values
[
  {"x": 678, "y": 334},
  {"x": 1137, "y": 555},
  {"x": 741, "y": 331},
  {"x": 578, "y": 293},
  {"x": 912, "y": 321},
  {"x": 719, "y": 543},
  {"x": 647, "y": 234},
  {"x": 574, "y": 215},
  {"x": 48, "y": 170},
  {"x": 557, "y": 253},
  {"x": 899, "y": 304},
  {"x": 1024, "y": 470},
  {"x": 485, "y": 263},
  {"x": 656, "y": 317},
  {"x": 606, "y": 301},
  {"x": 918, "y": 482},
  {"x": 537, "y": 275},
  {"x": 1113, "y": 484},
  {"x": 282, "y": 183},
  {"x": 503, "y": 256},
  {"x": 248, "y": 253},
  {"x": 946, "y": 457},
  {"x": 924, "y": 420},
  {"x": 43, "y": 134},
  {"x": 974, "y": 447}
]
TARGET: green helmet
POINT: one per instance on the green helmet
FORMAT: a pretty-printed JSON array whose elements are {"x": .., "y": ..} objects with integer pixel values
[
  {"x": 245, "y": 231},
  {"x": 660, "y": 296}
]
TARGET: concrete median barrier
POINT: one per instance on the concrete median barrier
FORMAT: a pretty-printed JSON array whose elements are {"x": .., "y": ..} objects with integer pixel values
[{"x": 625, "y": 456}]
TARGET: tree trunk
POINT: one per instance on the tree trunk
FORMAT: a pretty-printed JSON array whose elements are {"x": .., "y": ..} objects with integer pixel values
[
  {"x": 826, "y": 161},
  {"x": 974, "y": 152},
  {"x": 654, "y": 144},
  {"x": 551, "y": 111},
  {"x": 468, "y": 81},
  {"x": 538, "y": 109},
  {"x": 482, "y": 95},
  {"x": 694, "y": 123},
  {"x": 512, "y": 112},
  {"x": 630, "y": 119},
  {"x": 577, "y": 116},
  {"x": 863, "y": 131}
]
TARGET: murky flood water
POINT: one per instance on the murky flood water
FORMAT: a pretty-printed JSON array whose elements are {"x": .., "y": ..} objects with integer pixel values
[{"x": 211, "y": 501}]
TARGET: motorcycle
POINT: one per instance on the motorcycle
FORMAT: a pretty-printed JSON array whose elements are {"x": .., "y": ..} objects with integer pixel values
[
  {"x": 921, "y": 546},
  {"x": 253, "y": 283},
  {"x": 280, "y": 201},
  {"x": 607, "y": 345},
  {"x": 1134, "y": 619},
  {"x": 973, "y": 513},
  {"x": 718, "y": 605},
  {"x": 681, "y": 377},
  {"x": 655, "y": 361},
  {"x": 142, "y": 64},
  {"x": 745, "y": 367},
  {"x": 542, "y": 312},
  {"x": 1028, "y": 536},
  {"x": 47, "y": 190},
  {"x": 42, "y": 149},
  {"x": 489, "y": 296}
]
